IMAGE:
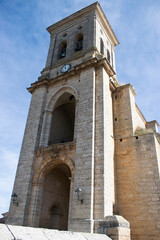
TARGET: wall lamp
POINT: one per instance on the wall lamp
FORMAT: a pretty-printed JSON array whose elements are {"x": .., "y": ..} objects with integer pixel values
[
  {"x": 14, "y": 199},
  {"x": 78, "y": 191}
]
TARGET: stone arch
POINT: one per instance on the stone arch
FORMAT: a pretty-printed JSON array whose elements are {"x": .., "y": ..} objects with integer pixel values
[
  {"x": 57, "y": 204},
  {"x": 55, "y": 211},
  {"x": 64, "y": 166},
  {"x": 55, "y": 197},
  {"x": 63, "y": 120},
  {"x": 58, "y": 93},
  {"x": 47, "y": 165},
  {"x": 50, "y": 163},
  {"x": 62, "y": 49},
  {"x": 79, "y": 42},
  {"x": 50, "y": 108}
]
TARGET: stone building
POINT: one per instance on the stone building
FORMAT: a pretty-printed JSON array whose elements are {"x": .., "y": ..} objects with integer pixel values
[{"x": 89, "y": 160}]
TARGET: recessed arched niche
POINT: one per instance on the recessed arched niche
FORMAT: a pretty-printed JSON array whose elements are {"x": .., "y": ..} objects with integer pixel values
[
  {"x": 55, "y": 199},
  {"x": 63, "y": 119}
]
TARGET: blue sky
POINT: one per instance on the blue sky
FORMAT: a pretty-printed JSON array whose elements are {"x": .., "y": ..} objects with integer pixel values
[{"x": 24, "y": 44}]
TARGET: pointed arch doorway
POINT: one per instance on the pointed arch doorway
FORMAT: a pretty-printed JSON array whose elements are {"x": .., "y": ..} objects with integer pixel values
[{"x": 55, "y": 200}]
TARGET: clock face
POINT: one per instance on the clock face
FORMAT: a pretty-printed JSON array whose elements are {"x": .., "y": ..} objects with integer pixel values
[{"x": 65, "y": 68}]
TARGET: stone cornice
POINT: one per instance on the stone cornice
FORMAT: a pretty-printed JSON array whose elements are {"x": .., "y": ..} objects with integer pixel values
[
  {"x": 72, "y": 17},
  {"x": 74, "y": 57},
  {"x": 95, "y": 7},
  {"x": 107, "y": 66},
  {"x": 126, "y": 86},
  {"x": 155, "y": 122},
  {"x": 54, "y": 148},
  {"x": 45, "y": 80}
]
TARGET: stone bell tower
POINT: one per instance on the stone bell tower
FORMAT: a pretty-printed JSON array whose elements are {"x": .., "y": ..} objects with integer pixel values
[
  {"x": 83, "y": 130},
  {"x": 68, "y": 141}
]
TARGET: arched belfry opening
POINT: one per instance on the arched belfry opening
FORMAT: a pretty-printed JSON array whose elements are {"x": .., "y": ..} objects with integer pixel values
[
  {"x": 79, "y": 42},
  {"x": 55, "y": 202},
  {"x": 62, "y": 49},
  {"x": 63, "y": 119}
]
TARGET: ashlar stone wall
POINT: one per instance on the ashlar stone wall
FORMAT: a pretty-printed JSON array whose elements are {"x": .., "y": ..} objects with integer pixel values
[{"x": 137, "y": 168}]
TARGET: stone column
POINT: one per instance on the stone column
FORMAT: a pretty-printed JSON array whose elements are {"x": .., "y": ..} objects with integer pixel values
[
  {"x": 104, "y": 148},
  {"x": 82, "y": 214}
]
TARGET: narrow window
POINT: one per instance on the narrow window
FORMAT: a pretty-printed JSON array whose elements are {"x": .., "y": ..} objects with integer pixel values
[
  {"x": 62, "y": 49},
  {"x": 79, "y": 43},
  {"x": 101, "y": 46},
  {"x": 108, "y": 56}
]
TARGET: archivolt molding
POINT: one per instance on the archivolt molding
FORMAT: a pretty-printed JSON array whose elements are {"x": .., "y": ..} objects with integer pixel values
[
  {"x": 49, "y": 163},
  {"x": 58, "y": 93}
]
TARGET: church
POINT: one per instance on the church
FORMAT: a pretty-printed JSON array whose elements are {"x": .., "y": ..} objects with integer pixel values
[{"x": 89, "y": 161}]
